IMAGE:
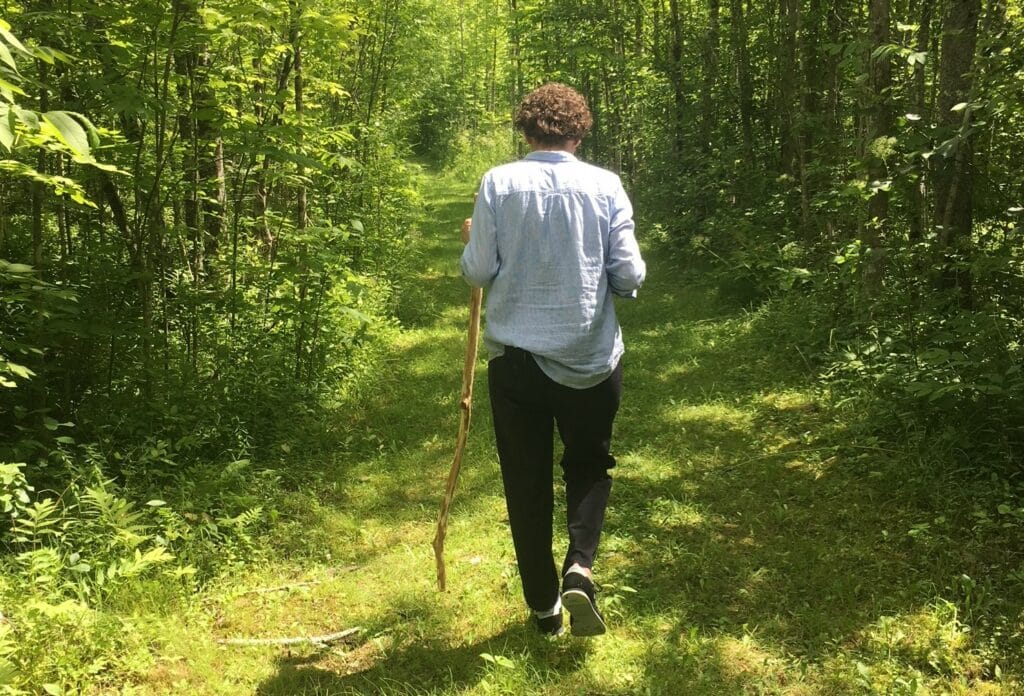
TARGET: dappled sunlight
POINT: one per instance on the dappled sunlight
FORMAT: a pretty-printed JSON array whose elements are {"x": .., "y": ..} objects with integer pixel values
[
  {"x": 745, "y": 551},
  {"x": 788, "y": 400},
  {"x": 744, "y": 660},
  {"x": 709, "y": 413},
  {"x": 669, "y": 513},
  {"x": 674, "y": 371},
  {"x": 654, "y": 463},
  {"x": 618, "y": 664}
]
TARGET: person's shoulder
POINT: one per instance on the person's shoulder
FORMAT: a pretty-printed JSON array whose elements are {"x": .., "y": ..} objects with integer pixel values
[
  {"x": 501, "y": 173},
  {"x": 606, "y": 179},
  {"x": 506, "y": 169}
]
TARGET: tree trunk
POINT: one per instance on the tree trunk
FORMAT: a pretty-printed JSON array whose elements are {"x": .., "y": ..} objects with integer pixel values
[
  {"x": 676, "y": 75},
  {"x": 301, "y": 202},
  {"x": 833, "y": 112},
  {"x": 789, "y": 155},
  {"x": 919, "y": 188},
  {"x": 745, "y": 90},
  {"x": 262, "y": 198},
  {"x": 38, "y": 188},
  {"x": 515, "y": 53},
  {"x": 709, "y": 56},
  {"x": 953, "y": 174},
  {"x": 881, "y": 126}
]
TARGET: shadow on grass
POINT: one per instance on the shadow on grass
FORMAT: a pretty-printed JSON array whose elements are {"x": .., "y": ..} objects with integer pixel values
[
  {"x": 755, "y": 524},
  {"x": 744, "y": 509},
  {"x": 433, "y": 666}
]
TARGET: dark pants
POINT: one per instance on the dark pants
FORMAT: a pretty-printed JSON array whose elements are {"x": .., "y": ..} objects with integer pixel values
[{"x": 527, "y": 404}]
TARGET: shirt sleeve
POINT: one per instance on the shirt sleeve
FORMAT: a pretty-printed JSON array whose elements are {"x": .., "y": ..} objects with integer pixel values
[
  {"x": 625, "y": 268},
  {"x": 479, "y": 261}
]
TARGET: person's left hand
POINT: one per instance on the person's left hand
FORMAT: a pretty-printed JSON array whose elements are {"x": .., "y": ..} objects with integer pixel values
[{"x": 467, "y": 224}]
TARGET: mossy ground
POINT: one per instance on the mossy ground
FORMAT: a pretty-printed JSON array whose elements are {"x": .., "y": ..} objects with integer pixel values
[{"x": 757, "y": 542}]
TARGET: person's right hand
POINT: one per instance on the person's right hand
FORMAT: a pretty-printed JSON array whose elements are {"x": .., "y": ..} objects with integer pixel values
[{"x": 467, "y": 224}]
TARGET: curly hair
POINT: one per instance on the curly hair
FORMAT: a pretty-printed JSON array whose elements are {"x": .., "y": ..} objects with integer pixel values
[{"x": 554, "y": 113}]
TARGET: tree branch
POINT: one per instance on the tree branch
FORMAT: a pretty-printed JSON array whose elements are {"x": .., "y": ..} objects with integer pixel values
[{"x": 299, "y": 640}]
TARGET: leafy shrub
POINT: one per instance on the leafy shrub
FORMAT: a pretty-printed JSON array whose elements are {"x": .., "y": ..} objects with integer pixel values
[
  {"x": 474, "y": 151},
  {"x": 70, "y": 554}
]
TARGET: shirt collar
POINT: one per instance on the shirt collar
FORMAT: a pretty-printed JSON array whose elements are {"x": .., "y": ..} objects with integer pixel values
[{"x": 551, "y": 156}]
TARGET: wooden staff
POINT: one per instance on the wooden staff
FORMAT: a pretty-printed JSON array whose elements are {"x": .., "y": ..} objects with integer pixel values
[{"x": 465, "y": 412}]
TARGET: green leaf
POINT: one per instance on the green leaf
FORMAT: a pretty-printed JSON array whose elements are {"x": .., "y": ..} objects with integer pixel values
[
  {"x": 69, "y": 131},
  {"x": 15, "y": 267},
  {"x": 50, "y": 423},
  {"x": 499, "y": 660},
  {"x": 12, "y": 40},
  {"x": 29, "y": 119},
  {"x": 9, "y": 672},
  {"x": 19, "y": 370},
  {"x": 916, "y": 57},
  {"x": 6, "y": 129},
  {"x": 959, "y": 107},
  {"x": 50, "y": 55},
  {"x": 6, "y": 86},
  {"x": 884, "y": 51},
  {"x": 6, "y": 57},
  {"x": 356, "y": 314}
]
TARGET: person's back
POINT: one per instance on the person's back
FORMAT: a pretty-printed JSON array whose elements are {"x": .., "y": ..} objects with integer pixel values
[
  {"x": 562, "y": 244},
  {"x": 552, "y": 240}
]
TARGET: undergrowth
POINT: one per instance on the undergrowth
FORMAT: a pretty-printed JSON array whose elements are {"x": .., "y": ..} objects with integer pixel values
[{"x": 773, "y": 530}]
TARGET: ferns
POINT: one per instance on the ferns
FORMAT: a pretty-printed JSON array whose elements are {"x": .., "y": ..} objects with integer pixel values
[
  {"x": 38, "y": 523},
  {"x": 70, "y": 554}
]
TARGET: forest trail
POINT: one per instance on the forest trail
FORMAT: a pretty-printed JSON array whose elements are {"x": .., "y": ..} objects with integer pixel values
[{"x": 750, "y": 548}]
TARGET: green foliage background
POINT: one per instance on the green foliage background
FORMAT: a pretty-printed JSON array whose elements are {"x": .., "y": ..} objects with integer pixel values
[{"x": 208, "y": 217}]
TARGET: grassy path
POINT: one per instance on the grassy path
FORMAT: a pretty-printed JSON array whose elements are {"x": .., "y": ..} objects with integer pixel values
[{"x": 754, "y": 545}]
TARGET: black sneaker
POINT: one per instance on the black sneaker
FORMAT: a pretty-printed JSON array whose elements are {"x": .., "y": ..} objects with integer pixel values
[
  {"x": 578, "y": 598},
  {"x": 549, "y": 625}
]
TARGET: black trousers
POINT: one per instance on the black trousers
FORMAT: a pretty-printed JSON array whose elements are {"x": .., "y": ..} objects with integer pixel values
[{"x": 527, "y": 405}]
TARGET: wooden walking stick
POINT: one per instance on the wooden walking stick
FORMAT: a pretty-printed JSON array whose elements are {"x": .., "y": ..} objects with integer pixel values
[{"x": 465, "y": 412}]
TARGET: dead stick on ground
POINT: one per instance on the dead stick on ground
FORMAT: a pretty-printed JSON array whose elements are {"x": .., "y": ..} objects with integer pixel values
[
  {"x": 281, "y": 588},
  {"x": 313, "y": 640},
  {"x": 465, "y": 412},
  {"x": 331, "y": 572}
]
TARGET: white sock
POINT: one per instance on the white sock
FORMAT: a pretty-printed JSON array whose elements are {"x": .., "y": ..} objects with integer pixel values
[
  {"x": 577, "y": 568},
  {"x": 557, "y": 609}
]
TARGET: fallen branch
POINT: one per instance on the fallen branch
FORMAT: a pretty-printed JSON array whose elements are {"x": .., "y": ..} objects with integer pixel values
[
  {"x": 281, "y": 588},
  {"x": 810, "y": 450},
  {"x": 299, "y": 640},
  {"x": 331, "y": 573}
]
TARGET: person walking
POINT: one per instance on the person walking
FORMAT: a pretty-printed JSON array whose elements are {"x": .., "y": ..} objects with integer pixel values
[{"x": 552, "y": 240}]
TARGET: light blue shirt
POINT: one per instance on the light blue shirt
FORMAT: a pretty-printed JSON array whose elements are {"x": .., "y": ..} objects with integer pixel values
[{"x": 552, "y": 240}]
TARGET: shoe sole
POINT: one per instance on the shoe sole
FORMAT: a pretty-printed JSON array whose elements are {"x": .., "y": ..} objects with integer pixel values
[{"x": 585, "y": 619}]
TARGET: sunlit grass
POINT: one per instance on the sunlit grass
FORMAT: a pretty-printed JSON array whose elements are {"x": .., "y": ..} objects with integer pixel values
[{"x": 753, "y": 545}]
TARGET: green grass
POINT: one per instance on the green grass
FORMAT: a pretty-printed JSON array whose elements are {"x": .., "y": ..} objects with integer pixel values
[{"x": 758, "y": 541}]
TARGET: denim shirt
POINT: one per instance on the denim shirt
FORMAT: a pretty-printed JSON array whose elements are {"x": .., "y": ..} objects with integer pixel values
[{"x": 552, "y": 241}]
